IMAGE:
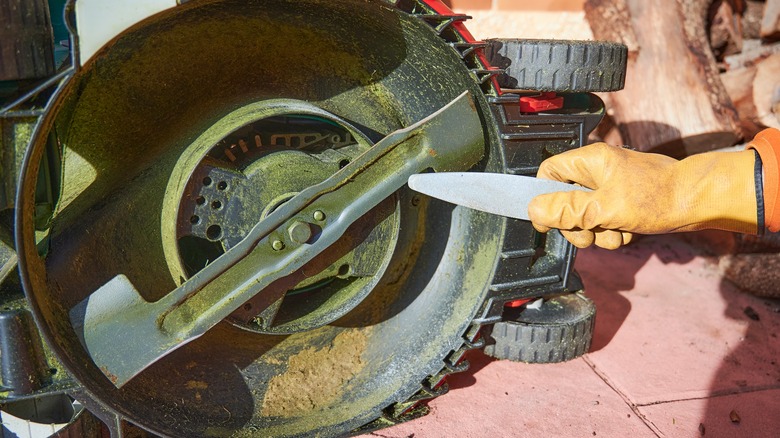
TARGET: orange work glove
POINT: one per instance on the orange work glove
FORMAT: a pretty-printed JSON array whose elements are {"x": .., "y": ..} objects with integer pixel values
[{"x": 636, "y": 192}]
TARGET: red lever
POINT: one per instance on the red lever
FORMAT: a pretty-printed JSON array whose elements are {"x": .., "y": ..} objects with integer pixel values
[
  {"x": 516, "y": 303},
  {"x": 541, "y": 102}
]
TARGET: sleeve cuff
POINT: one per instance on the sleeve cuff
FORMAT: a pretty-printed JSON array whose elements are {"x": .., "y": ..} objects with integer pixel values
[
  {"x": 767, "y": 145},
  {"x": 758, "y": 177}
]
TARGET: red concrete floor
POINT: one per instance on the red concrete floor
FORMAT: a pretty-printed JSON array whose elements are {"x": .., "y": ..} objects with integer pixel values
[{"x": 675, "y": 354}]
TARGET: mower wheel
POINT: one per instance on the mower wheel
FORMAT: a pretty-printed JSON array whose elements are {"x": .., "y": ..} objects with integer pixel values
[
  {"x": 559, "y": 66},
  {"x": 559, "y": 330}
]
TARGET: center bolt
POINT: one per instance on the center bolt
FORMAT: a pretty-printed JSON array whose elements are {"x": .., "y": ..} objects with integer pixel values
[{"x": 300, "y": 232}]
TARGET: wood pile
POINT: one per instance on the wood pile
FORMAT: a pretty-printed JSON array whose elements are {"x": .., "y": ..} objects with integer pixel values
[{"x": 702, "y": 74}]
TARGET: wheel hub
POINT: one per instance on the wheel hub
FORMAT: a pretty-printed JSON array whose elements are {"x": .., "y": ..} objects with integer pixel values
[{"x": 252, "y": 171}]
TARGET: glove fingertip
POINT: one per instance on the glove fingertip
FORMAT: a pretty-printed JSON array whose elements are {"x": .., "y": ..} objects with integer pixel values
[
  {"x": 579, "y": 238},
  {"x": 609, "y": 239},
  {"x": 540, "y": 228}
]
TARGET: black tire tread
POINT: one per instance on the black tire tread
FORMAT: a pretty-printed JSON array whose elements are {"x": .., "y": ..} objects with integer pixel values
[
  {"x": 540, "y": 342},
  {"x": 559, "y": 65}
]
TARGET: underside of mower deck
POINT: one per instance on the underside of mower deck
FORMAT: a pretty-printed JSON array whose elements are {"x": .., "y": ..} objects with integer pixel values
[{"x": 205, "y": 227}]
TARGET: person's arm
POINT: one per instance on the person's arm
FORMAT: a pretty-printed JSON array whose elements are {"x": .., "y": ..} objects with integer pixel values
[{"x": 635, "y": 192}]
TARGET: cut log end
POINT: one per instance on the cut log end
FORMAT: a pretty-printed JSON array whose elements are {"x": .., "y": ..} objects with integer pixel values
[{"x": 770, "y": 24}]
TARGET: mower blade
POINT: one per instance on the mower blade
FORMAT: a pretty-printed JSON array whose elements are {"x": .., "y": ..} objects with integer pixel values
[{"x": 124, "y": 334}]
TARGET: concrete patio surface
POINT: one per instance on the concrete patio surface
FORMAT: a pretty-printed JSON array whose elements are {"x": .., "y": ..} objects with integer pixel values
[{"x": 677, "y": 352}]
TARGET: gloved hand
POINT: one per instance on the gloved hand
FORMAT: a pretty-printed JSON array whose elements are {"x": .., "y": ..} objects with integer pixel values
[{"x": 635, "y": 192}]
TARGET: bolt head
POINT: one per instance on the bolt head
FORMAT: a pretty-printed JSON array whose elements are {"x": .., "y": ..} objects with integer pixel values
[
  {"x": 319, "y": 215},
  {"x": 277, "y": 245},
  {"x": 300, "y": 232}
]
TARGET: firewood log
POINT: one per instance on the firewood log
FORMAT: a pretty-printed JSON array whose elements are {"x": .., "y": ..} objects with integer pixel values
[
  {"x": 770, "y": 24},
  {"x": 674, "y": 101}
]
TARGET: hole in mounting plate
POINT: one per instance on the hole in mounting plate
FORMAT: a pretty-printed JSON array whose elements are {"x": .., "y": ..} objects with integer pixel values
[{"x": 214, "y": 232}]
